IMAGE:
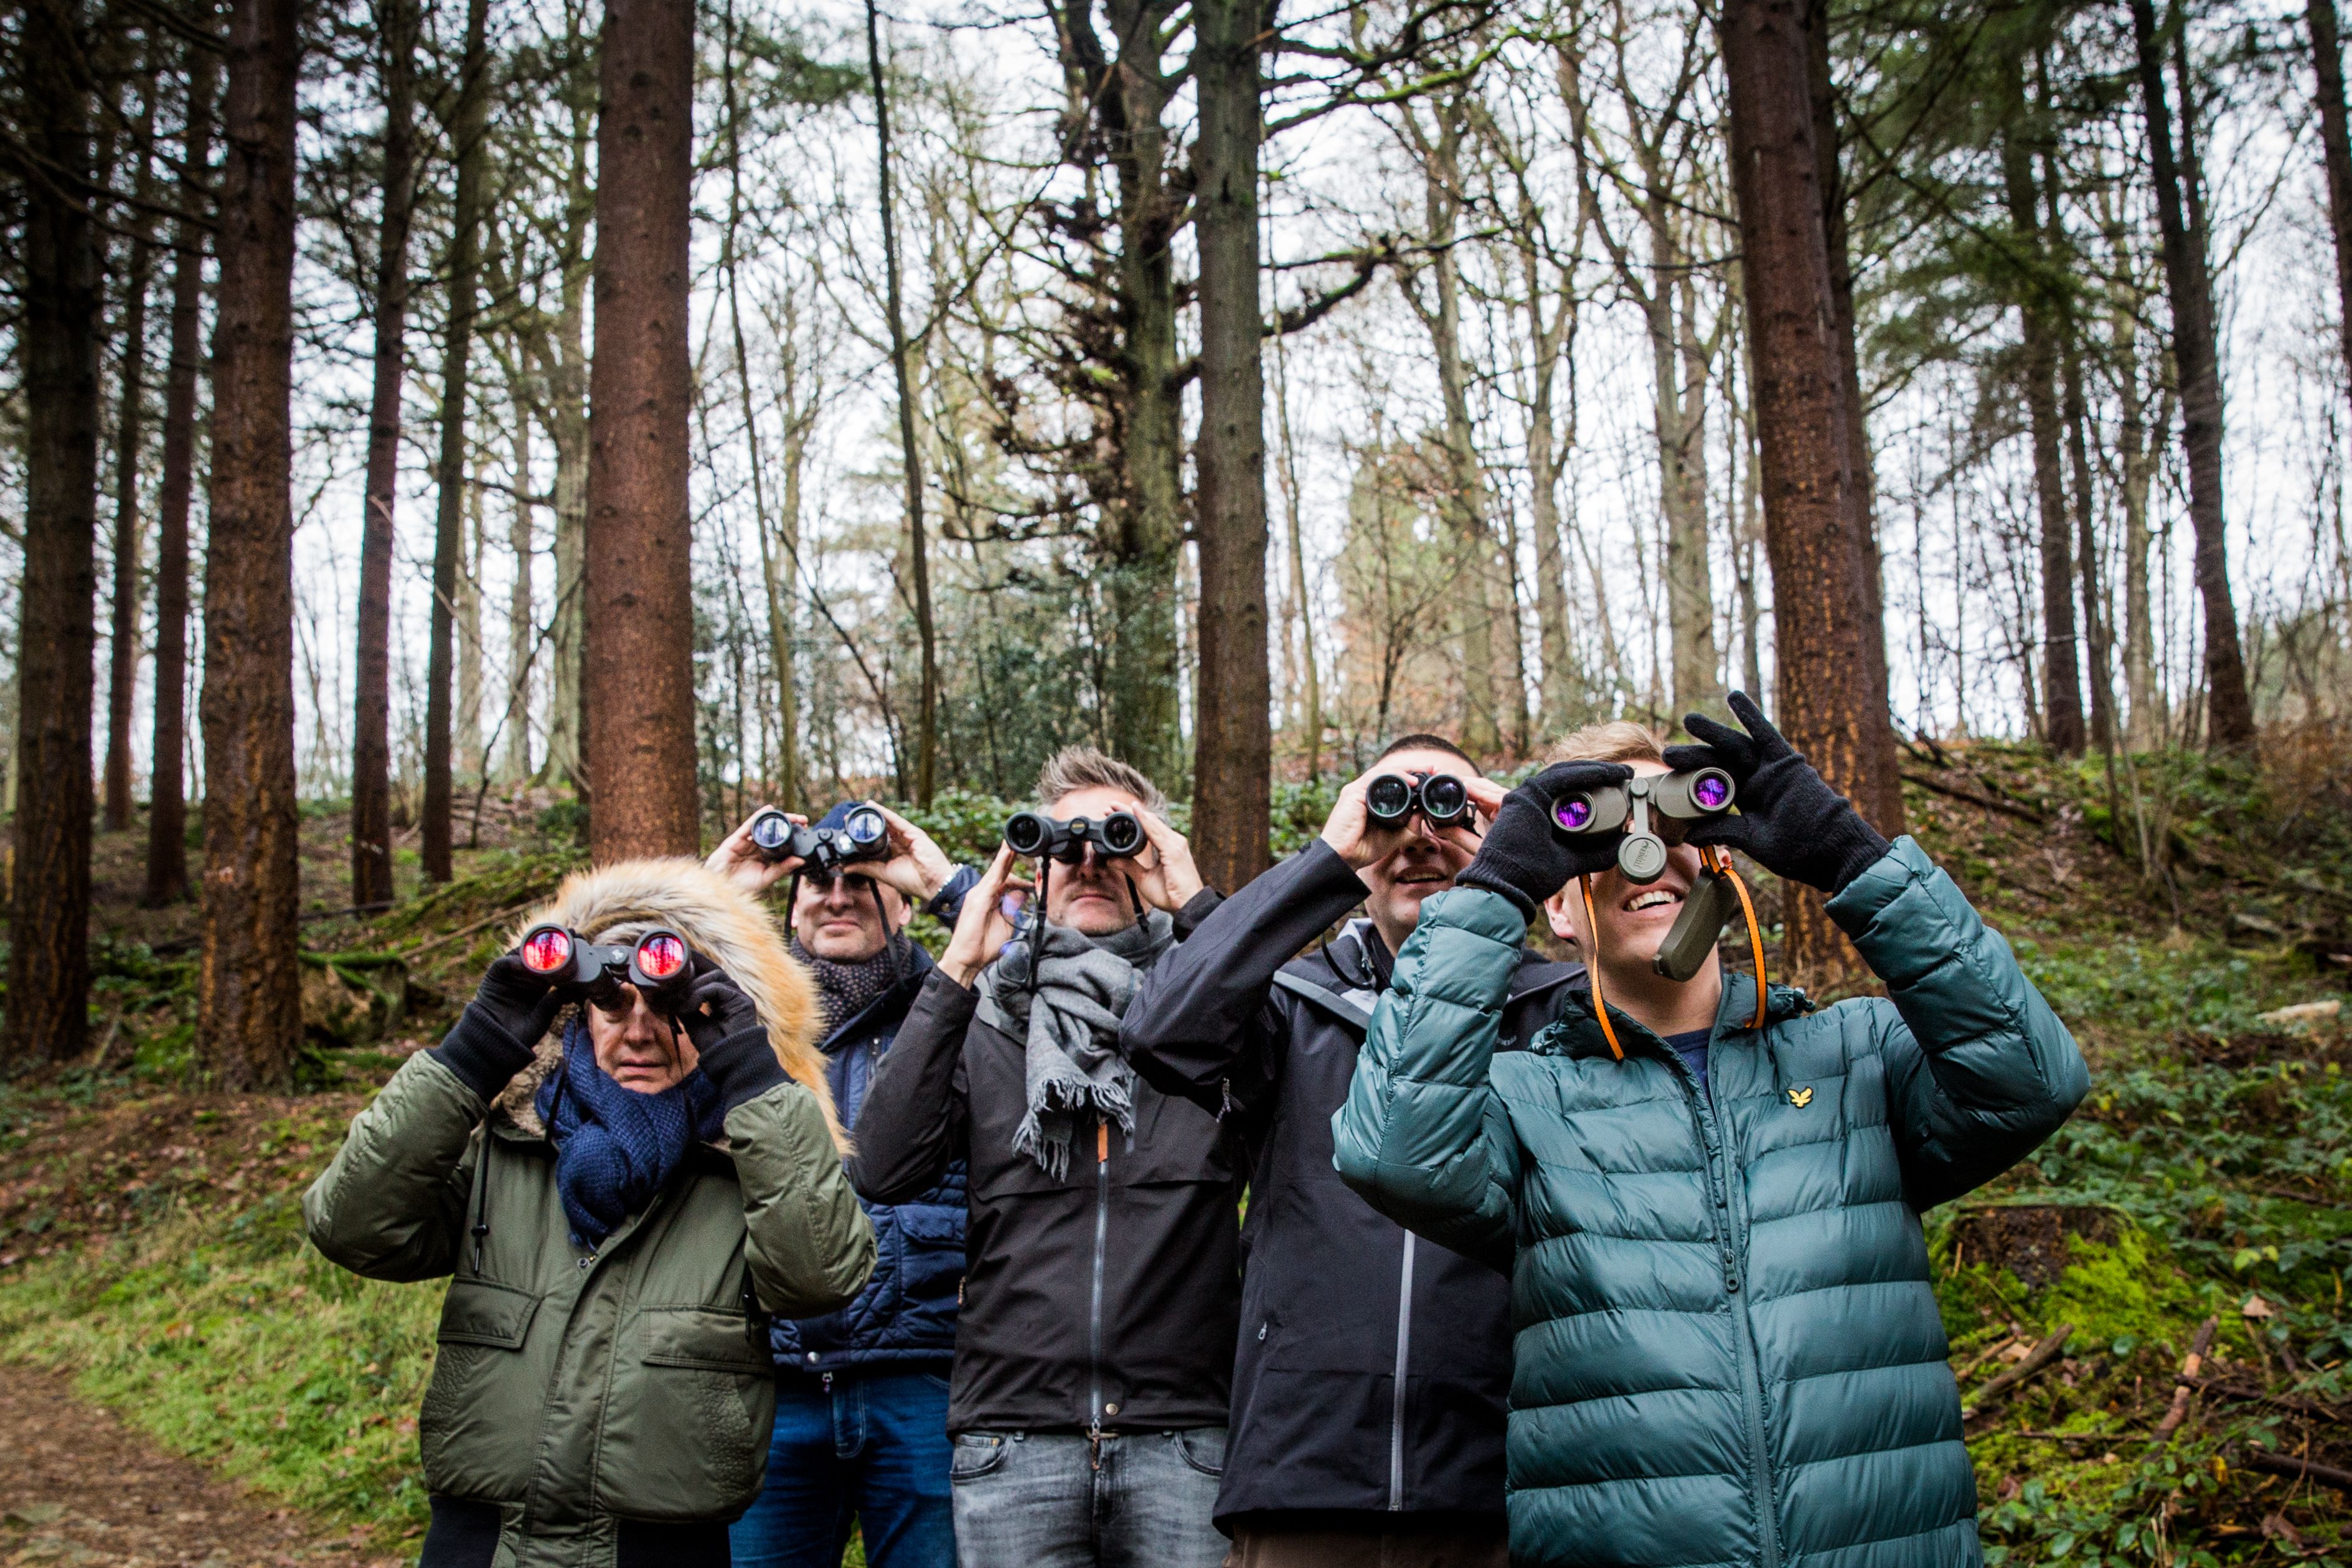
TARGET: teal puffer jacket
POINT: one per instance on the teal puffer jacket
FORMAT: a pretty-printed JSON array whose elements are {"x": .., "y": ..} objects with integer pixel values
[{"x": 1725, "y": 1346}]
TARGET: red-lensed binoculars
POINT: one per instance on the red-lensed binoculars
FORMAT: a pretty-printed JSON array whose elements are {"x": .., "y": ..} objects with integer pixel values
[{"x": 658, "y": 964}]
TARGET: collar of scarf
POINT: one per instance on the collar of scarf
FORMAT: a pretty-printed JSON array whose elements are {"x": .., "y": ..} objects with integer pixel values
[
  {"x": 614, "y": 1147},
  {"x": 844, "y": 990},
  {"x": 1062, "y": 994}
]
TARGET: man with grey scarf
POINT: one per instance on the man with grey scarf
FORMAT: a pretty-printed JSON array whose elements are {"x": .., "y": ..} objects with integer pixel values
[{"x": 1093, "y": 1349}]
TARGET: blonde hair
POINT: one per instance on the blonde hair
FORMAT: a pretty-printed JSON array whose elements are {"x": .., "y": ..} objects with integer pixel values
[
  {"x": 1612, "y": 740},
  {"x": 1077, "y": 767}
]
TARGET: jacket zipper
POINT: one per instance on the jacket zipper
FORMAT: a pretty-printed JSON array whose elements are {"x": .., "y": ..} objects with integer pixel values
[
  {"x": 1396, "y": 1402},
  {"x": 1743, "y": 1328},
  {"x": 1095, "y": 1303}
]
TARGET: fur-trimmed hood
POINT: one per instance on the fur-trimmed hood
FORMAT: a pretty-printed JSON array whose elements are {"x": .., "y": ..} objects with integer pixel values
[{"x": 621, "y": 902}]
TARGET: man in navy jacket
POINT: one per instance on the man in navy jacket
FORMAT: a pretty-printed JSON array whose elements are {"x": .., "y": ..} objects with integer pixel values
[{"x": 862, "y": 1392}]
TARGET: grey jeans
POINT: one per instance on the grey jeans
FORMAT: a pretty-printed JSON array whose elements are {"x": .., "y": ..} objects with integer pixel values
[{"x": 1047, "y": 1499}]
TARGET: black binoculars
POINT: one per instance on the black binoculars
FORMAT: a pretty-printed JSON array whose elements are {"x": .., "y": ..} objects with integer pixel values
[
  {"x": 1642, "y": 806},
  {"x": 1392, "y": 799},
  {"x": 1033, "y": 835},
  {"x": 864, "y": 836},
  {"x": 658, "y": 963}
]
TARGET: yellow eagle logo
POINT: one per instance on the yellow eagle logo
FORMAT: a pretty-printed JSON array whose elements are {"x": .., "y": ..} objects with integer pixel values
[{"x": 1800, "y": 1098}]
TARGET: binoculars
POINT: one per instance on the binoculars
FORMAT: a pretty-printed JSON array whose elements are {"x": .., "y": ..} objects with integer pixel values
[
  {"x": 658, "y": 963},
  {"x": 1641, "y": 805},
  {"x": 1392, "y": 799},
  {"x": 1033, "y": 835},
  {"x": 864, "y": 836}
]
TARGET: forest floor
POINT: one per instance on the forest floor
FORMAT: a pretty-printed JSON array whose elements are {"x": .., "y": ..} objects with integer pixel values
[{"x": 152, "y": 1259}]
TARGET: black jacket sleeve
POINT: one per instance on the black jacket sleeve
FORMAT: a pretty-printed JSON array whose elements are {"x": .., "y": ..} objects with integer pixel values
[
  {"x": 914, "y": 1122},
  {"x": 1204, "y": 1007}
]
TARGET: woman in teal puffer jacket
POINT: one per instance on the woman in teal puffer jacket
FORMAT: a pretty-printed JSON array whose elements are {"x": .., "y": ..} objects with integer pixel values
[{"x": 1725, "y": 1348}]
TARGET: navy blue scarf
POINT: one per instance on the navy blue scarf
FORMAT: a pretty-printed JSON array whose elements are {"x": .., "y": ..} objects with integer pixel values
[{"x": 614, "y": 1148}]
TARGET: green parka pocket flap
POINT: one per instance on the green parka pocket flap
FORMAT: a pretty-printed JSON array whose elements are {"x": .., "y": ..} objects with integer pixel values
[
  {"x": 480, "y": 1312},
  {"x": 705, "y": 1339}
]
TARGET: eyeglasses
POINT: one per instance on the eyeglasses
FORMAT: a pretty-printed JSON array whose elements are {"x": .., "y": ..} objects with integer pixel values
[{"x": 820, "y": 882}]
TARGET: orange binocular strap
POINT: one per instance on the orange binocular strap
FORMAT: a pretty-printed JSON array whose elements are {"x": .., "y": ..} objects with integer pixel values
[
  {"x": 1715, "y": 860},
  {"x": 1592, "y": 969}
]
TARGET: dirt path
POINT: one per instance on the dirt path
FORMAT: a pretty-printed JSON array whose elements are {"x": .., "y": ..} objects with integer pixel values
[{"x": 80, "y": 1488}]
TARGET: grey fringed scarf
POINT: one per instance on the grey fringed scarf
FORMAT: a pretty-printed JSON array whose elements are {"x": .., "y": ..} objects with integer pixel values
[{"x": 1069, "y": 1022}]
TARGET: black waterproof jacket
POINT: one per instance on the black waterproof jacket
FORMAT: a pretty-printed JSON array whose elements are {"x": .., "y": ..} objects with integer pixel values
[
  {"x": 1104, "y": 1300},
  {"x": 1352, "y": 1393}
]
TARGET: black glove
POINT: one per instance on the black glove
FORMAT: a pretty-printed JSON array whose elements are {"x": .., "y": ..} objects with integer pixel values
[
  {"x": 724, "y": 1024},
  {"x": 1787, "y": 819},
  {"x": 494, "y": 1036},
  {"x": 1522, "y": 858}
]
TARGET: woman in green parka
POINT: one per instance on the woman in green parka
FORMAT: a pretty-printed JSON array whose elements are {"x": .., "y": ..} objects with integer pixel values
[
  {"x": 619, "y": 1208},
  {"x": 1725, "y": 1350}
]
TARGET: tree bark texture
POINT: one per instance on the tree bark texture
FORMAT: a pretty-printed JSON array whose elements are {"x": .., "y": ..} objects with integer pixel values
[
  {"x": 249, "y": 1013},
  {"x": 469, "y": 136},
  {"x": 2098, "y": 641},
  {"x": 522, "y": 637},
  {"x": 2189, "y": 286},
  {"x": 2039, "y": 320},
  {"x": 2335, "y": 157},
  {"x": 639, "y": 621},
  {"x": 372, "y": 709},
  {"x": 167, "y": 810},
  {"x": 1233, "y": 758},
  {"x": 130, "y": 450},
  {"x": 1821, "y": 605},
  {"x": 48, "y": 1015}
]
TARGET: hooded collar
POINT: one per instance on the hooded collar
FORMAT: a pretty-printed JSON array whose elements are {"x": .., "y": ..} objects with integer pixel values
[{"x": 1577, "y": 1033}]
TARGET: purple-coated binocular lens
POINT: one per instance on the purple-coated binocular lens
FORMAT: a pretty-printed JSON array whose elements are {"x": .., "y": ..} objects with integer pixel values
[
  {"x": 1573, "y": 812},
  {"x": 1713, "y": 791}
]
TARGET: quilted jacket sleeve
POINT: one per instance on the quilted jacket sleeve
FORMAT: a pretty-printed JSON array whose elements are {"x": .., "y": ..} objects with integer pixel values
[
  {"x": 1979, "y": 1069},
  {"x": 1423, "y": 1135},
  {"x": 393, "y": 1204},
  {"x": 809, "y": 1244}
]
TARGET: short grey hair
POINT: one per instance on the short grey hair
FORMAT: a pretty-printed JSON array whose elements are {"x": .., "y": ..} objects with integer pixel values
[{"x": 1075, "y": 767}]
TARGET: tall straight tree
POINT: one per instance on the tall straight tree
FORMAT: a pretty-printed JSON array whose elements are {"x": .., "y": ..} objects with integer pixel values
[
  {"x": 639, "y": 674},
  {"x": 167, "y": 808},
  {"x": 130, "y": 451},
  {"x": 1232, "y": 756},
  {"x": 919, "y": 556},
  {"x": 469, "y": 141},
  {"x": 250, "y": 1008},
  {"x": 48, "y": 955},
  {"x": 2335, "y": 157},
  {"x": 1821, "y": 606},
  {"x": 2189, "y": 286},
  {"x": 372, "y": 716}
]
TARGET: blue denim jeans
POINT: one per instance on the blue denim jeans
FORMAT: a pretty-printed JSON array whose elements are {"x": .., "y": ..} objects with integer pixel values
[
  {"x": 1043, "y": 1500},
  {"x": 873, "y": 1448}
]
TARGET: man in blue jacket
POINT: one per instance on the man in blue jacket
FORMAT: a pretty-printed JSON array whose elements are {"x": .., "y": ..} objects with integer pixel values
[
  {"x": 1726, "y": 1350},
  {"x": 862, "y": 1392}
]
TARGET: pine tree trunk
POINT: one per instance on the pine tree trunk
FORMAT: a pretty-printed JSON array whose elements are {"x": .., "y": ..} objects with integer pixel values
[
  {"x": 49, "y": 953},
  {"x": 249, "y": 1013},
  {"x": 639, "y": 589},
  {"x": 469, "y": 140},
  {"x": 2098, "y": 629},
  {"x": 167, "y": 808},
  {"x": 2188, "y": 284},
  {"x": 1233, "y": 744},
  {"x": 372, "y": 708},
  {"x": 2335, "y": 157},
  {"x": 130, "y": 451},
  {"x": 1822, "y": 623}
]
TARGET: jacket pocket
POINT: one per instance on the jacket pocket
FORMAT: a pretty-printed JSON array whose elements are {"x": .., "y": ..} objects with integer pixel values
[
  {"x": 685, "y": 1434},
  {"x": 480, "y": 1395}
]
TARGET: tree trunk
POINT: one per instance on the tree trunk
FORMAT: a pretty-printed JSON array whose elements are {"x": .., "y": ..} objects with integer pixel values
[
  {"x": 249, "y": 1013},
  {"x": 2189, "y": 286},
  {"x": 1561, "y": 693},
  {"x": 2335, "y": 157},
  {"x": 567, "y": 382},
  {"x": 372, "y": 709},
  {"x": 2098, "y": 629},
  {"x": 522, "y": 627},
  {"x": 1878, "y": 789},
  {"x": 167, "y": 810},
  {"x": 48, "y": 956},
  {"x": 1233, "y": 744},
  {"x": 639, "y": 588},
  {"x": 469, "y": 140},
  {"x": 130, "y": 445},
  {"x": 2038, "y": 322},
  {"x": 1824, "y": 627},
  {"x": 1310, "y": 689},
  {"x": 466, "y": 723}
]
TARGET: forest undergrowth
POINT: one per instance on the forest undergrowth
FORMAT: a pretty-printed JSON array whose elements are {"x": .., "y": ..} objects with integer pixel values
[{"x": 2148, "y": 1319}]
